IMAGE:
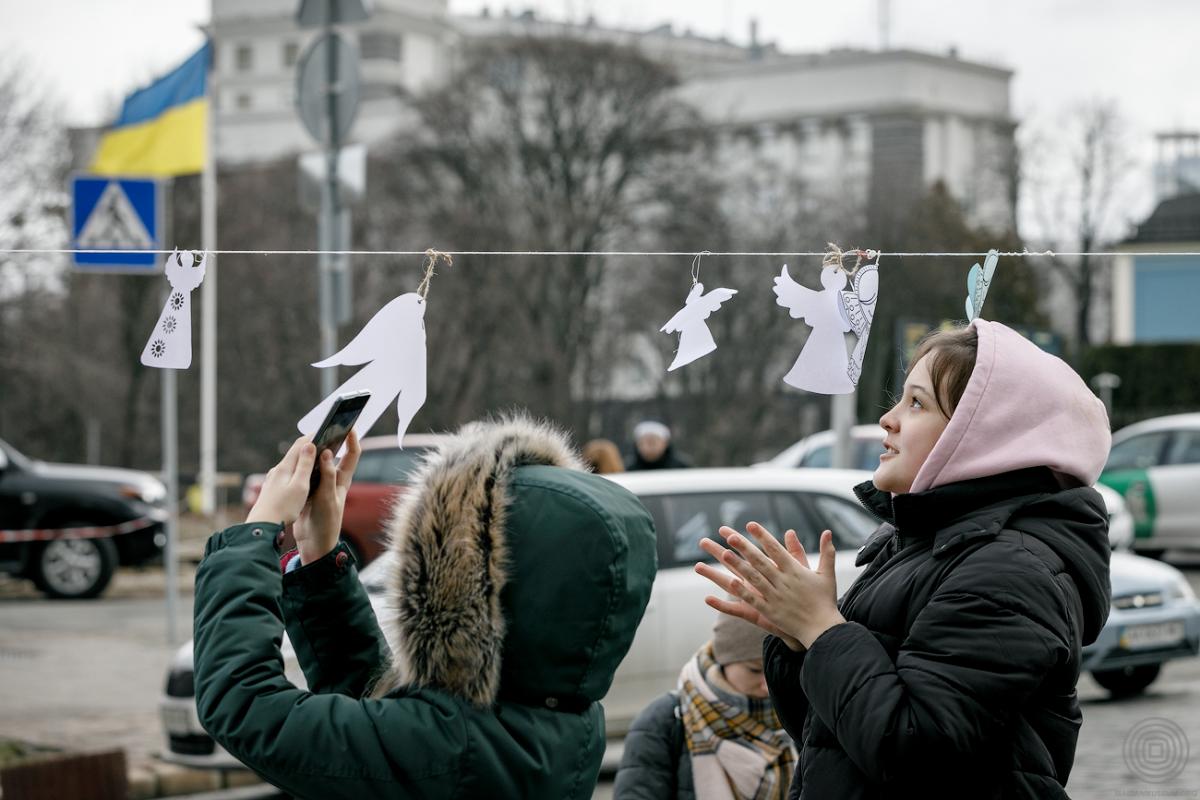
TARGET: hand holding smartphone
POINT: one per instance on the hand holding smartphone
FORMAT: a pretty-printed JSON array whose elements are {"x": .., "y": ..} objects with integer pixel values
[{"x": 334, "y": 430}]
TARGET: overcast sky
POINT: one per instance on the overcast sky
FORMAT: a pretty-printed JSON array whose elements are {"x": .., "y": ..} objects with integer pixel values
[{"x": 1142, "y": 54}]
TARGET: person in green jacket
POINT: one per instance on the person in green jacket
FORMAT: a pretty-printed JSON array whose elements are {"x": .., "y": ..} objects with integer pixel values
[{"x": 519, "y": 582}]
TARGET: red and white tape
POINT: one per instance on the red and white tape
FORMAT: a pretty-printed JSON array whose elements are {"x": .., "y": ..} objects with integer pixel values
[{"x": 88, "y": 532}]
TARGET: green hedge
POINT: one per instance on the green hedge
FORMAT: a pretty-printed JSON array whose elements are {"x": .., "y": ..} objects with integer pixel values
[{"x": 1156, "y": 379}]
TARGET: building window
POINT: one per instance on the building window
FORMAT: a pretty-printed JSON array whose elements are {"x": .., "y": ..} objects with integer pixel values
[
  {"x": 291, "y": 53},
  {"x": 242, "y": 102},
  {"x": 244, "y": 58},
  {"x": 383, "y": 46}
]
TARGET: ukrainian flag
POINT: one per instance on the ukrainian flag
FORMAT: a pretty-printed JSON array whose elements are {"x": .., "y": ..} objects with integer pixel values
[{"x": 161, "y": 130}]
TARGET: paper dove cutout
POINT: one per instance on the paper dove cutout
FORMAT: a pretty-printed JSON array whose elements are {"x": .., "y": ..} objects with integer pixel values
[
  {"x": 824, "y": 366},
  {"x": 695, "y": 339},
  {"x": 392, "y": 345},
  {"x": 170, "y": 344},
  {"x": 978, "y": 281}
]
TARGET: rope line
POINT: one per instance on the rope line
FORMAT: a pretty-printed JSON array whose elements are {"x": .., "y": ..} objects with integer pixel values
[{"x": 613, "y": 253}]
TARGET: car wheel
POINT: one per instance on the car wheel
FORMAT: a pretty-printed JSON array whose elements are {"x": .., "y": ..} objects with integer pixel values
[
  {"x": 1128, "y": 681},
  {"x": 75, "y": 569}
]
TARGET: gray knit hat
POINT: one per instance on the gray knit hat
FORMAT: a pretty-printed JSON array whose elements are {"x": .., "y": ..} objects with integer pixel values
[{"x": 736, "y": 640}]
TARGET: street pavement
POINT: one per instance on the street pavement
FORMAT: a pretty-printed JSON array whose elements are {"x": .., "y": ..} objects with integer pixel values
[{"x": 88, "y": 675}]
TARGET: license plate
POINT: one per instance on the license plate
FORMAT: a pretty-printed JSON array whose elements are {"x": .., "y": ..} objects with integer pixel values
[
  {"x": 177, "y": 721},
  {"x": 1159, "y": 634}
]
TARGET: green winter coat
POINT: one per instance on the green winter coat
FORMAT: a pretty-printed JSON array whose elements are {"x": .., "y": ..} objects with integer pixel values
[{"x": 520, "y": 581}]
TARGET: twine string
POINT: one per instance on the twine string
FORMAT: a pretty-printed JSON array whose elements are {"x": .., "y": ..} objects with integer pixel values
[{"x": 432, "y": 257}]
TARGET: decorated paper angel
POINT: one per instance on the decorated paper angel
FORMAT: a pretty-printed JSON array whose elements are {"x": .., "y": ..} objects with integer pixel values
[
  {"x": 858, "y": 304},
  {"x": 392, "y": 345},
  {"x": 170, "y": 344},
  {"x": 979, "y": 279},
  {"x": 695, "y": 339},
  {"x": 824, "y": 366}
]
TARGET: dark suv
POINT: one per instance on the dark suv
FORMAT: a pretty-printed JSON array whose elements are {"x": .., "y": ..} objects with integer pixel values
[{"x": 67, "y": 527}]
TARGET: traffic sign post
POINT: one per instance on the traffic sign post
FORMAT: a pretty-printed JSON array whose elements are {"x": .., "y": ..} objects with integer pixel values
[
  {"x": 327, "y": 98},
  {"x": 116, "y": 214}
]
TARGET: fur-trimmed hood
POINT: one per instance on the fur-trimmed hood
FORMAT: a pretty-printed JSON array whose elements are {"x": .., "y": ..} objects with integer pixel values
[{"x": 518, "y": 576}]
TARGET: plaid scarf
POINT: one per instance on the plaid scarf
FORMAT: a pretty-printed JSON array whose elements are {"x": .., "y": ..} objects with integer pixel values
[{"x": 738, "y": 747}]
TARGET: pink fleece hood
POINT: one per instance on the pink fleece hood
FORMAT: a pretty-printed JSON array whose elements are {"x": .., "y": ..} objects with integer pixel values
[{"x": 1022, "y": 408}]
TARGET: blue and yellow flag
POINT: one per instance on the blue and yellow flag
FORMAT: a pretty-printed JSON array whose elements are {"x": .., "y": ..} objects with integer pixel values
[{"x": 161, "y": 130}]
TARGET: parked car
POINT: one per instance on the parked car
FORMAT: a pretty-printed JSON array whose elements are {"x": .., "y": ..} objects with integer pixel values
[
  {"x": 816, "y": 451},
  {"x": 686, "y": 505},
  {"x": 1155, "y": 464},
  {"x": 67, "y": 527},
  {"x": 689, "y": 504},
  {"x": 1154, "y": 618},
  {"x": 383, "y": 471}
]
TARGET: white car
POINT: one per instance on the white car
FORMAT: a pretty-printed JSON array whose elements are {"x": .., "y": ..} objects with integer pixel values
[
  {"x": 1155, "y": 464},
  {"x": 866, "y": 444},
  {"x": 687, "y": 505}
]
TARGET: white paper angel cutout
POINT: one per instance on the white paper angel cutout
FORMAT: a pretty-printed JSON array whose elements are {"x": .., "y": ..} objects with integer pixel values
[
  {"x": 858, "y": 308},
  {"x": 824, "y": 366},
  {"x": 170, "y": 344},
  {"x": 393, "y": 342},
  {"x": 979, "y": 279},
  {"x": 695, "y": 339}
]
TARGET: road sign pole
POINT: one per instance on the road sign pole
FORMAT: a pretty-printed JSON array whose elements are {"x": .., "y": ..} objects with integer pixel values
[
  {"x": 329, "y": 210},
  {"x": 170, "y": 442},
  {"x": 843, "y": 419},
  {"x": 208, "y": 313}
]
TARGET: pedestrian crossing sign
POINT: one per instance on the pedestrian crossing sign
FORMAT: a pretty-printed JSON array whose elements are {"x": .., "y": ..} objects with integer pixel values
[{"x": 116, "y": 214}]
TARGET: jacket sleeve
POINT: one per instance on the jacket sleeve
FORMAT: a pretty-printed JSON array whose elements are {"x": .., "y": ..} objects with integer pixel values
[
  {"x": 782, "y": 666},
  {"x": 650, "y": 761},
  {"x": 978, "y": 649},
  {"x": 332, "y": 626},
  {"x": 311, "y": 746}
]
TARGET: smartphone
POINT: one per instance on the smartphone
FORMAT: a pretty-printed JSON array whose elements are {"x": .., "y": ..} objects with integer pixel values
[{"x": 334, "y": 430}]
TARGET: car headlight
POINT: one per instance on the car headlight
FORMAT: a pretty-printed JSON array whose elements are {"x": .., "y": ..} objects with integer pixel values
[
  {"x": 150, "y": 492},
  {"x": 1180, "y": 590}
]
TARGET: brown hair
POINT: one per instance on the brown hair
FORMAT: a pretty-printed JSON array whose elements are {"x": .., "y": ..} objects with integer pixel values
[
  {"x": 603, "y": 456},
  {"x": 951, "y": 361}
]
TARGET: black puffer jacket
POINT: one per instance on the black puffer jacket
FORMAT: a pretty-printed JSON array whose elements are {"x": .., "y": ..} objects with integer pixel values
[
  {"x": 655, "y": 764},
  {"x": 954, "y": 675}
]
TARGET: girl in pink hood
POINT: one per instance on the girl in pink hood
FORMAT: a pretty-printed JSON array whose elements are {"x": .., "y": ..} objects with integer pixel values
[{"x": 948, "y": 669}]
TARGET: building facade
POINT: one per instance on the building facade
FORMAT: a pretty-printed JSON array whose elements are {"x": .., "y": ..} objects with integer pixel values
[
  {"x": 1154, "y": 297},
  {"x": 874, "y": 124}
]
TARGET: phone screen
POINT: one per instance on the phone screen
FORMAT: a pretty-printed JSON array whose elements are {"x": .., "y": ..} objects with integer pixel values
[{"x": 335, "y": 429}]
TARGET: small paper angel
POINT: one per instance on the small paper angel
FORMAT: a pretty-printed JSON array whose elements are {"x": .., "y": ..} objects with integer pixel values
[
  {"x": 824, "y": 366},
  {"x": 979, "y": 279},
  {"x": 170, "y": 344},
  {"x": 392, "y": 345},
  {"x": 695, "y": 339}
]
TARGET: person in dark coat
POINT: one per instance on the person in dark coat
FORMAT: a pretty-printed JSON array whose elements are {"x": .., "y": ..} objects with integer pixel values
[
  {"x": 652, "y": 448},
  {"x": 949, "y": 668},
  {"x": 716, "y": 737},
  {"x": 517, "y": 584}
]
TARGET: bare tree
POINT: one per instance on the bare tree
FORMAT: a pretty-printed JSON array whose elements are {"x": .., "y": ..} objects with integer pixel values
[
  {"x": 1073, "y": 178},
  {"x": 535, "y": 144}
]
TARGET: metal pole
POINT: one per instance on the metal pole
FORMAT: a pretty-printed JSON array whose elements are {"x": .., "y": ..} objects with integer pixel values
[
  {"x": 208, "y": 311},
  {"x": 170, "y": 456},
  {"x": 843, "y": 418},
  {"x": 329, "y": 211}
]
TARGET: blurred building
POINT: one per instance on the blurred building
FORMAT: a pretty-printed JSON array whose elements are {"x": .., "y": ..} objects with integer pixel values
[
  {"x": 1154, "y": 297},
  {"x": 879, "y": 126}
]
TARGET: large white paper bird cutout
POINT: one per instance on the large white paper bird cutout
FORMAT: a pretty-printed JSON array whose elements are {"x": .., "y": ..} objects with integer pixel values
[
  {"x": 824, "y": 366},
  {"x": 695, "y": 339},
  {"x": 170, "y": 344},
  {"x": 392, "y": 345}
]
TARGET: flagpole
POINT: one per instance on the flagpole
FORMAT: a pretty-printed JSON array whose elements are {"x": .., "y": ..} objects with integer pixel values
[{"x": 208, "y": 314}]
